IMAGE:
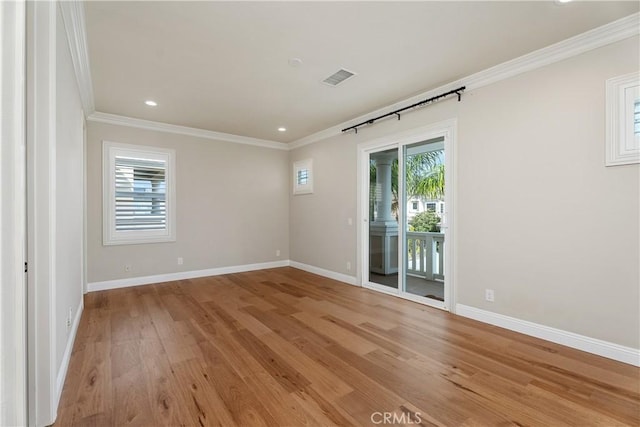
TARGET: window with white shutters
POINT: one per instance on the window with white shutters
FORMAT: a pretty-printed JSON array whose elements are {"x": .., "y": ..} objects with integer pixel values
[
  {"x": 303, "y": 176},
  {"x": 138, "y": 194},
  {"x": 141, "y": 189}
]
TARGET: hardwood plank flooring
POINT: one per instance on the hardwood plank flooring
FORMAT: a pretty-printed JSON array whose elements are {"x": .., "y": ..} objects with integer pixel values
[{"x": 283, "y": 347}]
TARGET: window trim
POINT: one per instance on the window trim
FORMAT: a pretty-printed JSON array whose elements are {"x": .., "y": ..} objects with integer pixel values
[
  {"x": 622, "y": 144},
  {"x": 298, "y": 166},
  {"x": 110, "y": 236}
]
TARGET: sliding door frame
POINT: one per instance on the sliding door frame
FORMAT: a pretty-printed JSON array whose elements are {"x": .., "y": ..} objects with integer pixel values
[
  {"x": 447, "y": 130},
  {"x": 364, "y": 150}
]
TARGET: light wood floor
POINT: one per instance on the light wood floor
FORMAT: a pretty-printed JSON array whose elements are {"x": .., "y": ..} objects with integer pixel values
[{"x": 284, "y": 347}]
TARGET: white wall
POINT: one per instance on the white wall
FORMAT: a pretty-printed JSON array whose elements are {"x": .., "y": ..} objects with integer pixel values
[
  {"x": 321, "y": 218},
  {"x": 539, "y": 218},
  {"x": 566, "y": 254},
  {"x": 54, "y": 207},
  {"x": 69, "y": 154},
  {"x": 13, "y": 373},
  {"x": 232, "y": 206}
]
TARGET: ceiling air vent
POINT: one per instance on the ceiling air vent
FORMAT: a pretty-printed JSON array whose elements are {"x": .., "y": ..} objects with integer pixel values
[{"x": 338, "y": 77}]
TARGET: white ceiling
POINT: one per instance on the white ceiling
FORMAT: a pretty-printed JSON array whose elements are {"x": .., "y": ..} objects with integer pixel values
[{"x": 223, "y": 66}]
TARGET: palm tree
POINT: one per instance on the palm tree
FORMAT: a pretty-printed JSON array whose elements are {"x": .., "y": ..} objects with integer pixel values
[
  {"x": 432, "y": 184},
  {"x": 424, "y": 177}
]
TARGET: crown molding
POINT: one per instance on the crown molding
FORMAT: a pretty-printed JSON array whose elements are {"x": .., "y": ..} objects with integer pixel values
[
  {"x": 74, "y": 24},
  {"x": 114, "y": 119},
  {"x": 73, "y": 17},
  {"x": 598, "y": 37}
]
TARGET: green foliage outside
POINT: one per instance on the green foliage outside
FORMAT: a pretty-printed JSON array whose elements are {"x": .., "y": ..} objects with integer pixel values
[
  {"x": 424, "y": 178},
  {"x": 425, "y": 221}
]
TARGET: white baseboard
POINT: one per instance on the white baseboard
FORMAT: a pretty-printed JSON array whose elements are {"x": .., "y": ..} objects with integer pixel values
[
  {"x": 182, "y": 275},
  {"x": 591, "y": 345},
  {"x": 66, "y": 357},
  {"x": 322, "y": 272}
]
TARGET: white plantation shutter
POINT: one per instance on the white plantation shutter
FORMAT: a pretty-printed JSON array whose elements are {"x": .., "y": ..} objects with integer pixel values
[
  {"x": 138, "y": 194},
  {"x": 303, "y": 176},
  {"x": 141, "y": 202}
]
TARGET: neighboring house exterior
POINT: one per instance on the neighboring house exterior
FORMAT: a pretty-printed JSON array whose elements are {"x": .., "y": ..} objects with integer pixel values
[{"x": 418, "y": 204}]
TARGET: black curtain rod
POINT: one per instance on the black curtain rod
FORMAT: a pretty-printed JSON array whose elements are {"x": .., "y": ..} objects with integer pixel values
[{"x": 417, "y": 104}]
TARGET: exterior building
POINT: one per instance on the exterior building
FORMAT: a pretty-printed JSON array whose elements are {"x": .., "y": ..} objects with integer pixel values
[{"x": 419, "y": 204}]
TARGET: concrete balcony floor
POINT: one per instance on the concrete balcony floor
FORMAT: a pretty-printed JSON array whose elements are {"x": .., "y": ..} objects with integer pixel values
[{"x": 415, "y": 285}]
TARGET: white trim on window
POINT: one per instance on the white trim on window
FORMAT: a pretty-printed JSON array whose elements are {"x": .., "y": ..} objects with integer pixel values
[
  {"x": 623, "y": 144},
  {"x": 303, "y": 176},
  {"x": 114, "y": 234}
]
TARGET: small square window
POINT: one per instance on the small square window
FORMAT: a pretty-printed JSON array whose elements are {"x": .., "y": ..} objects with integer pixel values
[
  {"x": 303, "y": 177},
  {"x": 623, "y": 120}
]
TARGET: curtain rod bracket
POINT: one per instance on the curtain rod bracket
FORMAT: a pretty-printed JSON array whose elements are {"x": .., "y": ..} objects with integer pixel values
[{"x": 422, "y": 103}]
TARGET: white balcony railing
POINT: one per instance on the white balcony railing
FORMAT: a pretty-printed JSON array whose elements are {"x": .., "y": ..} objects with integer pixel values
[{"x": 425, "y": 255}]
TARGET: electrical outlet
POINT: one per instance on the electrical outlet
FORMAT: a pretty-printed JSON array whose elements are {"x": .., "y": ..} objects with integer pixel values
[
  {"x": 277, "y": 252},
  {"x": 127, "y": 267},
  {"x": 69, "y": 317},
  {"x": 348, "y": 265},
  {"x": 489, "y": 295},
  {"x": 180, "y": 261}
]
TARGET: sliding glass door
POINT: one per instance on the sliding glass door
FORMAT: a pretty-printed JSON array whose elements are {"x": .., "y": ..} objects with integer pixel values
[
  {"x": 404, "y": 226},
  {"x": 383, "y": 218},
  {"x": 424, "y": 188}
]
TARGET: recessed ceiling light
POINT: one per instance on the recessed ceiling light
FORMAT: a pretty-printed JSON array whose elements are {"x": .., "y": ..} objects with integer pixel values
[
  {"x": 563, "y": 1},
  {"x": 151, "y": 103},
  {"x": 282, "y": 129}
]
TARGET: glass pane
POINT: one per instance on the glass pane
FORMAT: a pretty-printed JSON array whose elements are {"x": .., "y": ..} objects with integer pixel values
[
  {"x": 303, "y": 176},
  {"x": 636, "y": 117},
  {"x": 383, "y": 218},
  {"x": 424, "y": 198},
  {"x": 140, "y": 194}
]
